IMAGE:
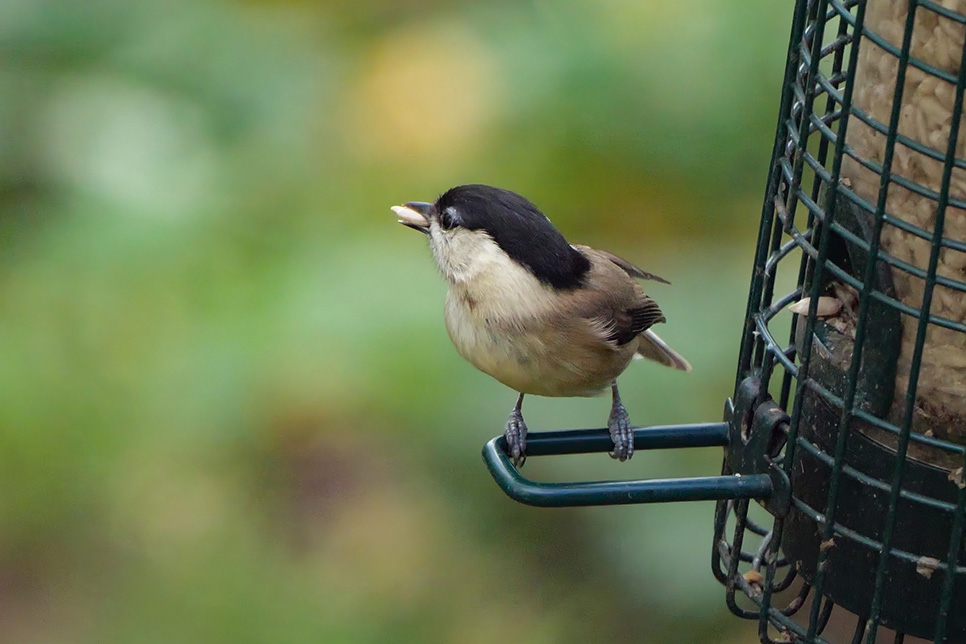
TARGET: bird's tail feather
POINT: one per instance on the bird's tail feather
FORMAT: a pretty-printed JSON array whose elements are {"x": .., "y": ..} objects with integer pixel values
[{"x": 654, "y": 348}]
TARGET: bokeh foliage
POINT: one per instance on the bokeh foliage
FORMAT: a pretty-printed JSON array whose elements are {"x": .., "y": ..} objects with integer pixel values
[{"x": 230, "y": 412}]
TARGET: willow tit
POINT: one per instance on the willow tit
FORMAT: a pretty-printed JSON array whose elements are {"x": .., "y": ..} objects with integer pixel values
[{"x": 537, "y": 313}]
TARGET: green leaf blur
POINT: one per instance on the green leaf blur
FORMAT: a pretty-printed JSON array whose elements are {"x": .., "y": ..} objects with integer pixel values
[{"x": 230, "y": 410}]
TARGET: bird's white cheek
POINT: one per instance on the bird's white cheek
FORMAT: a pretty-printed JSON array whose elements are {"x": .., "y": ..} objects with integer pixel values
[
  {"x": 443, "y": 252},
  {"x": 461, "y": 254}
]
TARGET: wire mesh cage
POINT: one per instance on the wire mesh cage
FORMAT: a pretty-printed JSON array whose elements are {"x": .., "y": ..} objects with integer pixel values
[{"x": 851, "y": 383}]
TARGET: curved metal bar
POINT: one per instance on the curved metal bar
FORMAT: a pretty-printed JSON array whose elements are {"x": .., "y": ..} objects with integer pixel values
[{"x": 709, "y": 488}]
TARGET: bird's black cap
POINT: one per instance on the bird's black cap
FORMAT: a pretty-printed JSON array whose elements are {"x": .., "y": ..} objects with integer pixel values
[{"x": 520, "y": 229}]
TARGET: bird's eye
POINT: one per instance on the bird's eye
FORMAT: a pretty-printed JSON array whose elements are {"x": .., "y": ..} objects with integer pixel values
[{"x": 447, "y": 220}]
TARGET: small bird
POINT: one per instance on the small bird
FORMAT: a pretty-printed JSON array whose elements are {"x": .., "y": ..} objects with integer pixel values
[{"x": 541, "y": 315}]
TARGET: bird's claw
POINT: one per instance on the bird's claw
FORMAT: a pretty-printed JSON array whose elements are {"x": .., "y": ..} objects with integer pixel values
[
  {"x": 621, "y": 433},
  {"x": 516, "y": 438}
]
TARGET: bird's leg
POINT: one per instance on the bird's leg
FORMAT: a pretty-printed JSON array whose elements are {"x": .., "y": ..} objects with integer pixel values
[
  {"x": 516, "y": 434},
  {"x": 619, "y": 425}
]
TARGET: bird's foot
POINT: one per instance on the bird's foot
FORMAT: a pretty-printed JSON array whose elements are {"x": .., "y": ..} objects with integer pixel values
[
  {"x": 621, "y": 432},
  {"x": 516, "y": 438}
]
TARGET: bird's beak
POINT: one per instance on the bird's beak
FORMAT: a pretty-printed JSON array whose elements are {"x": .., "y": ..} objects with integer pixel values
[{"x": 414, "y": 214}]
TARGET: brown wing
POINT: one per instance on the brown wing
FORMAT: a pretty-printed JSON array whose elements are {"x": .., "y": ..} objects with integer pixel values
[
  {"x": 624, "y": 321},
  {"x": 629, "y": 323},
  {"x": 626, "y": 266},
  {"x": 617, "y": 304}
]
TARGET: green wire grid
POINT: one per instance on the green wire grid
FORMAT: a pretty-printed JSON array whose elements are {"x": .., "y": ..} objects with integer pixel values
[{"x": 902, "y": 489}]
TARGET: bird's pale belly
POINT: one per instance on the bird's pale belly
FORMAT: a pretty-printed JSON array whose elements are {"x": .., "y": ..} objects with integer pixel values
[{"x": 555, "y": 362}]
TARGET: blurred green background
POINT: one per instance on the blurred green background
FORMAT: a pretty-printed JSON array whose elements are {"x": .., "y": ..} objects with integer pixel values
[{"x": 230, "y": 410}]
